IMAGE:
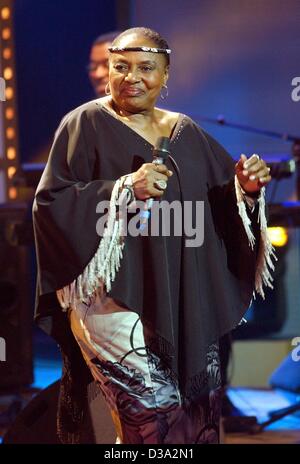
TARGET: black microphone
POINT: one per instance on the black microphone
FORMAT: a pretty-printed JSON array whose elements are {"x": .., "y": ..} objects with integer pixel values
[{"x": 160, "y": 153}]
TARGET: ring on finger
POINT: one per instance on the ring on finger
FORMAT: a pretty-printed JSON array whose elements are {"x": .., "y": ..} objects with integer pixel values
[{"x": 161, "y": 184}]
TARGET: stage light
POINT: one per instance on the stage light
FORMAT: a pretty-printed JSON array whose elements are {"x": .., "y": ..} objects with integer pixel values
[
  {"x": 278, "y": 236},
  {"x": 9, "y": 113},
  {"x": 7, "y": 73},
  {"x": 6, "y": 33},
  {"x": 11, "y": 153},
  {"x": 9, "y": 93},
  {"x": 11, "y": 171},
  {"x": 12, "y": 193},
  {"x": 10, "y": 133},
  {"x": 7, "y": 53},
  {"x": 5, "y": 13}
]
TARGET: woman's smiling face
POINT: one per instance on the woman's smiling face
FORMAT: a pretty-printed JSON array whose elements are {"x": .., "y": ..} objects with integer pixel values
[{"x": 136, "y": 78}]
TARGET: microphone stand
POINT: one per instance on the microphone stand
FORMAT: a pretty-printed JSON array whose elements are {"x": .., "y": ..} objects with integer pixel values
[{"x": 220, "y": 120}]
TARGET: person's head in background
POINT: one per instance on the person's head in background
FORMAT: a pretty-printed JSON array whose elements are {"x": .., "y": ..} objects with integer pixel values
[{"x": 98, "y": 62}]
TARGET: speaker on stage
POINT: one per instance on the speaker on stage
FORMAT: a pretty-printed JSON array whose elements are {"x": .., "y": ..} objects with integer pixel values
[
  {"x": 16, "y": 308},
  {"x": 36, "y": 424}
]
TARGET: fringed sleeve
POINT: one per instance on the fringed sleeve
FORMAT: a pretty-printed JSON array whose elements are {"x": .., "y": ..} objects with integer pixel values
[
  {"x": 101, "y": 270},
  {"x": 65, "y": 207},
  {"x": 266, "y": 252},
  {"x": 254, "y": 221}
]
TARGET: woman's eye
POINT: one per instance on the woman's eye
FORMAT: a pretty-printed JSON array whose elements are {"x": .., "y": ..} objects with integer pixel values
[
  {"x": 146, "y": 68},
  {"x": 120, "y": 67}
]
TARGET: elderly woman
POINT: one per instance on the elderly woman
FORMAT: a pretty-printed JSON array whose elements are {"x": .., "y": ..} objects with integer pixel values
[{"x": 145, "y": 312}]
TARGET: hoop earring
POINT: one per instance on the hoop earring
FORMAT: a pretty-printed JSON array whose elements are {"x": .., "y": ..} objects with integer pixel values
[
  {"x": 163, "y": 97},
  {"x": 107, "y": 89}
]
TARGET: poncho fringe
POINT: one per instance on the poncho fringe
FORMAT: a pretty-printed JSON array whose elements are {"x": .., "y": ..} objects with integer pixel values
[
  {"x": 103, "y": 267},
  {"x": 266, "y": 252}
]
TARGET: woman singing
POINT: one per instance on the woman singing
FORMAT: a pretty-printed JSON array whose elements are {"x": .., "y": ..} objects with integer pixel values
[{"x": 142, "y": 314}]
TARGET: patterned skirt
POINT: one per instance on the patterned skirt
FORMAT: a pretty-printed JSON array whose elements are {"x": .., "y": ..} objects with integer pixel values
[{"x": 140, "y": 390}]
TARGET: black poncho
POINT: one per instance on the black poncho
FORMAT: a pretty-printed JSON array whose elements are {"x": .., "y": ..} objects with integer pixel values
[{"x": 189, "y": 295}]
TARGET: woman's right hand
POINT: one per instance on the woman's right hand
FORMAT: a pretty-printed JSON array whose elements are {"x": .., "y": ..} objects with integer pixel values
[{"x": 144, "y": 180}]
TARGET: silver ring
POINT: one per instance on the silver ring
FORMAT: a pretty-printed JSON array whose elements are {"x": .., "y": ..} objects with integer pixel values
[{"x": 161, "y": 184}]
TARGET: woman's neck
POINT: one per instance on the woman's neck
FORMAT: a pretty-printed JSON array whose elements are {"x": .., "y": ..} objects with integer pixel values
[{"x": 143, "y": 118}]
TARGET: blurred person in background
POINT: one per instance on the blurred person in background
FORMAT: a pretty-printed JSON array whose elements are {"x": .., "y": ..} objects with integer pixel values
[{"x": 98, "y": 62}]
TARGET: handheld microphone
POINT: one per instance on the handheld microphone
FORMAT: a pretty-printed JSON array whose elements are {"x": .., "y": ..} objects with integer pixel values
[{"x": 160, "y": 153}]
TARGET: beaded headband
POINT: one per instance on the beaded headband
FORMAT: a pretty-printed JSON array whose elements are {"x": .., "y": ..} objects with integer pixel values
[{"x": 140, "y": 49}]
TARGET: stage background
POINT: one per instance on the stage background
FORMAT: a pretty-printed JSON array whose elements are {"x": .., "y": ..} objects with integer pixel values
[{"x": 230, "y": 57}]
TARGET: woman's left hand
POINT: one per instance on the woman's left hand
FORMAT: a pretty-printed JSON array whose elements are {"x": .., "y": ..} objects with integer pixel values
[{"x": 252, "y": 173}]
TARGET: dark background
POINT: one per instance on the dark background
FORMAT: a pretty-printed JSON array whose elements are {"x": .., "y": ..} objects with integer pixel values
[{"x": 230, "y": 57}]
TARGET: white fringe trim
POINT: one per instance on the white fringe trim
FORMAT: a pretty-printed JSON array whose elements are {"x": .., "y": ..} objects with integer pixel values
[
  {"x": 266, "y": 252},
  {"x": 102, "y": 268}
]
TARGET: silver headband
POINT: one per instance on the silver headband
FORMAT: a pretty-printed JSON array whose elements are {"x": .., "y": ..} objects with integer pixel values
[{"x": 140, "y": 49}]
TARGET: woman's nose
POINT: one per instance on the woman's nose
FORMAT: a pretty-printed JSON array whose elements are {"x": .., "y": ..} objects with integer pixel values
[{"x": 132, "y": 76}]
